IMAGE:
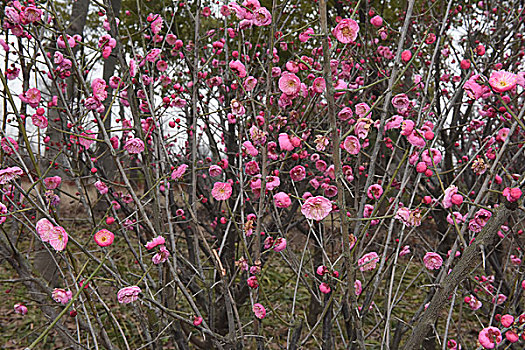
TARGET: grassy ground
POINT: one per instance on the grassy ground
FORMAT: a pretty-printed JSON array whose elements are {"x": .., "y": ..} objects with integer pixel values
[{"x": 278, "y": 282}]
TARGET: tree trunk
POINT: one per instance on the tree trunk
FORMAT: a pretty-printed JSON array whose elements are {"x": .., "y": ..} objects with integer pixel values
[
  {"x": 44, "y": 262},
  {"x": 105, "y": 161}
]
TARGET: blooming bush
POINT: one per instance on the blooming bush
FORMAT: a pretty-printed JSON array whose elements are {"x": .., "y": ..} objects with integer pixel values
[{"x": 263, "y": 174}]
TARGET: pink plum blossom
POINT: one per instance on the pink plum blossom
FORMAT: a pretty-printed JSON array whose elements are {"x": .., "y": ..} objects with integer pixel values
[
  {"x": 252, "y": 168},
  {"x": 257, "y": 135},
  {"x": 280, "y": 244},
  {"x": 20, "y": 309},
  {"x": 321, "y": 142},
  {"x": 86, "y": 138},
  {"x": 362, "y": 127},
  {"x": 473, "y": 303},
  {"x": 282, "y": 200},
  {"x": 374, "y": 191},
  {"x": 62, "y": 296},
  {"x": 407, "y": 127},
  {"x": 400, "y": 101},
  {"x": 91, "y": 103},
  {"x": 394, "y": 122},
  {"x": 101, "y": 187},
  {"x": 502, "y": 81},
  {"x": 285, "y": 143},
  {"x": 107, "y": 26},
  {"x": 9, "y": 146},
  {"x": 107, "y": 44},
  {"x": 44, "y": 228},
  {"x": 319, "y": 85},
  {"x": 250, "y": 83},
  {"x": 459, "y": 218},
  {"x": 215, "y": 170},
  {"x": 179, "y": 171},
  {"x": 376, "y": 21},
  {"x": 482, "y": 216},
  {"x": 272, "y": 182},
  {"x": 321, "y": 165},
  {"x": 156, "y": 25},
  {"x": 250, "y": 148},
  {"x": 134, "y": 146},
  {"x": 490, "y": 337},
  {"x": 346, "y": 31},
  {"x": 406, "y": 55},
  {"x": 512, "y": 336},
  {"x": 431, "y": 158},
  {"x": 316, "y": 208},
  {"x": 128, "y": 295},
  {"x": 3, "y": 212},
  {"x": 507, "y": 320},
  {"x": 40, "y": 121},
  {"x": 58, "y": 238},
  {"x": 268, "y": 242},
  {"x": 447, "y": 199},
  {"x": 289, "y": 84},
  {"x": 221, "y": 191},
  {"x": 104, "y": 237},
  {"x": 453, "y": 345},
  {"x": 262, "y": 17},
  {"x": 259, "y": 311},
  {"x": 237, "y": 108},
  {"x": 352, "y": 145},
  {"x": 99, "y": 89},
  {"x": 197, "y": 320},
  {"x": 512, "y": 194},
  {"x": 358, "y": 287},
  {"x": 321, "y": 270},
  {"x": 31, "y": 14},
  {"x": 298, "y": 173},
  {"x": 324, "y": 288},
  {"x": 409, "y": 217},
  {"x": 503, "y": 133},
  {"x": 368, "y": 262},
  {"x": 9, "y": 174},
  {"x": 159, "y": 240},
  {"x": 304, "y": 36},
  {"x": 416, "y": 139},
  {"x": 474, "y": 89},
  {"x": 153, "y": 55},
  {"x": 432, "y": 261},
  {"x": 362, "y": 109},
  {"x": 238, "y": 68},
  {"x": 31, "y": 97},
  {"x": 499, "y": 299},
  {"x": 52, "y": 182},
  {"x": 405, "y": 251},
  {"x": 345, "y": 114},
  {"x": 161, "y": 256}
]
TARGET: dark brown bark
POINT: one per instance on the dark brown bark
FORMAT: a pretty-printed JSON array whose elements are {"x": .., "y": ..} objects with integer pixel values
[
  {"x": 465, "y": 265},
  {"x": 44, "y": 262},
  {"x": 327, "y": 324},
  {"x": 105, "y": 161},
  {"x": 314, "y": 308}
]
